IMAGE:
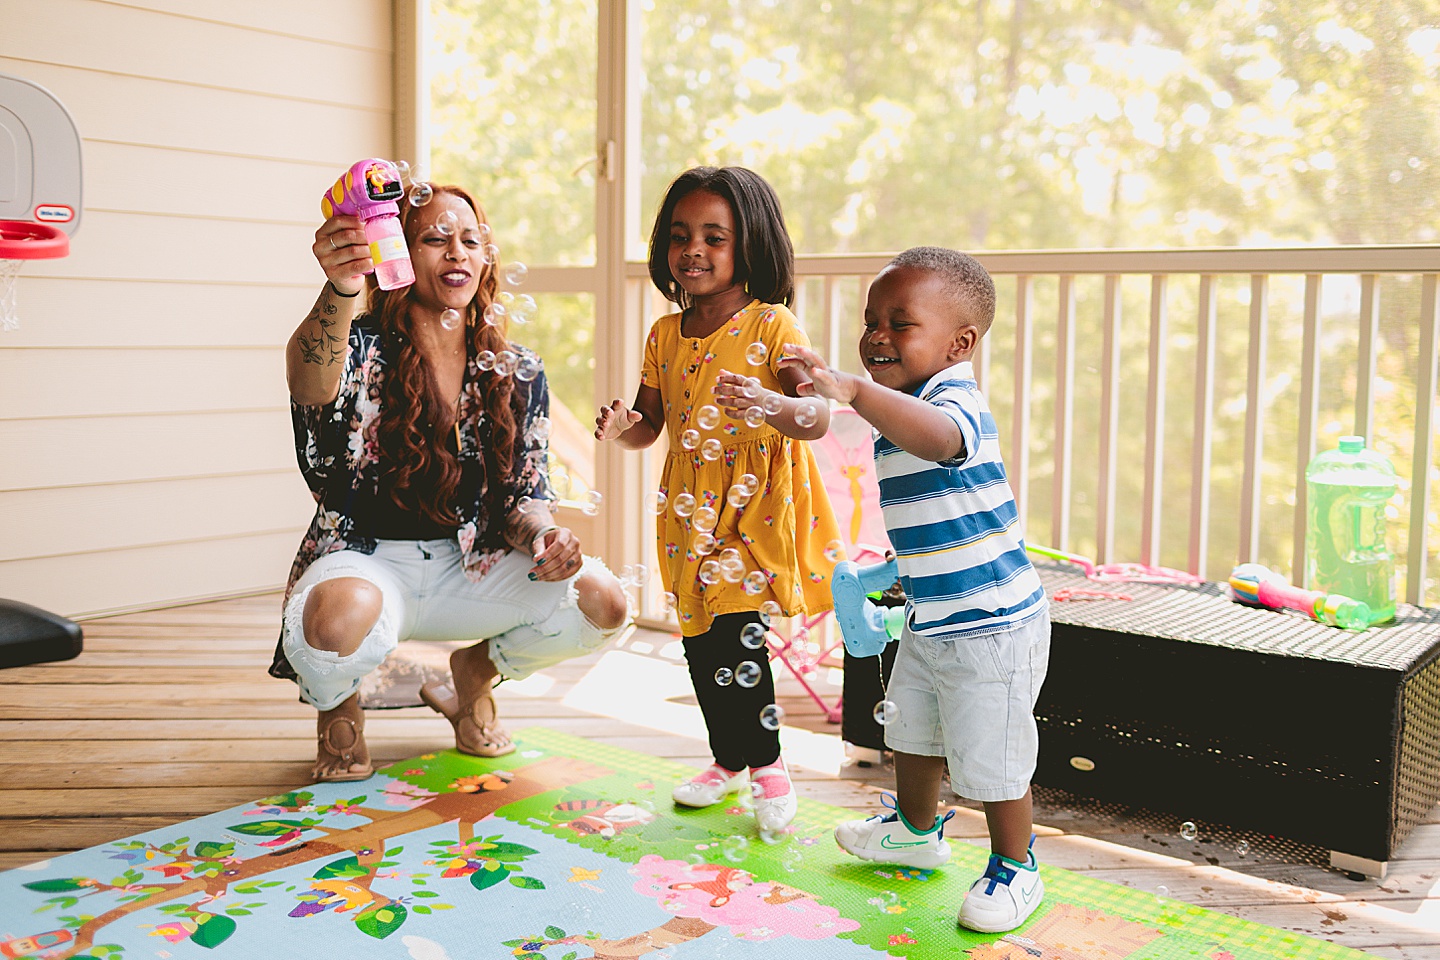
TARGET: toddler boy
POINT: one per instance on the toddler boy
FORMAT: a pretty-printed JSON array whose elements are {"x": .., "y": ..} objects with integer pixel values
[{"x": 976, "y": 641}]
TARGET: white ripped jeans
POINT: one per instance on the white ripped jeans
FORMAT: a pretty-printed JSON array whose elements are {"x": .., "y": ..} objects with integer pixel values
[{"x": 426, "y": 596}]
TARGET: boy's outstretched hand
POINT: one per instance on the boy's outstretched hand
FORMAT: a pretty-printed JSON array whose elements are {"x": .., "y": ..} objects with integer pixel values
[
  {"x": 615, "y": 420},
  {"x": 824, "y": 382}
]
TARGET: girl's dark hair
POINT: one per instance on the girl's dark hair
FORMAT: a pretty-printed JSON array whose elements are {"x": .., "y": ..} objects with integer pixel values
[
  {"x": 416, "y": 423},
  {"x": 764, "y": 258}
]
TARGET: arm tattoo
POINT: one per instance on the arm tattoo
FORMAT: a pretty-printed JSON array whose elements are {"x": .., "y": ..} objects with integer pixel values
[
  {"x": 325, "y": 347},
  {"x": 521, "y": 530}
]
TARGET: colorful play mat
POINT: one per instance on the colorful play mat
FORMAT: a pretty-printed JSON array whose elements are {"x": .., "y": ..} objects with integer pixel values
[{"x": 564, "y": 850}]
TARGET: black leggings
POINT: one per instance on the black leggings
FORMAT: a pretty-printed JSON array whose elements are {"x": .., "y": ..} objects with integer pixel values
[{"x": 732, "y": 712}]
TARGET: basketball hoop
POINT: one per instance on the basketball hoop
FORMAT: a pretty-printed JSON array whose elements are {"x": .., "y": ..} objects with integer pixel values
[{"x": 22, "y": 240}]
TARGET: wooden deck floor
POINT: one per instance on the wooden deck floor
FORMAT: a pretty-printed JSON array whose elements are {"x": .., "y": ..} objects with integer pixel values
[{"x": 168, "y": 715}]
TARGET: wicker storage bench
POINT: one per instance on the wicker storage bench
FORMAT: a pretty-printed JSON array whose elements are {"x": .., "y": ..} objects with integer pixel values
[{"x": 1184, "y": 701}]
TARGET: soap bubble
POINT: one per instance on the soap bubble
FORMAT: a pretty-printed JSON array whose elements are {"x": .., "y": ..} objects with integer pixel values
[
  {"x": 524, "y": 504},
  {"x": 402, "y": 167},
  {"x": 754, "y": 417},
  {"x": 807, "y": 415},
  {"x": 886, "y": 712},
  {"x": 748, "y": 483},
  {"x": 505, "y": 298},
  {"x": 505, "y": 362},
  {"x": 747, "y": 674},
  {"x": 769, "y": 610},
  {"x": 1162, "y": 891},
  {"x": 490, "y": 253},
  {"x": 541, "y": 427},
  {"x": 751, "y": 389},
  {"x": 734, "y": 848},
  {"x": 522, "y": 308},
  {"x": 495, "y": 314},
  {"x": 724, "y": 677},
  {"x": 449, "y": 318},
  {"x": 705, "y": 518},
  {"x": 753, "y": 636},
  {"x": 684, "y": 504},
  {"x": 1188, "y": 830},
  {"x": 485, "y": 360},
  {"x": 668, "y": 601},
  {"x": 560, "y": 479},
  {"x": 639, "y": 574},
  {"x": 514, "y": 273},
  {"x": 730, "y": 555},
  {"x": 737, "y": 497},
  {"x": 695, "y": 859},
  {"x": 791, "y": 858},
  {"x": 755, "y": 353},
  {"x": 593, "y": 499},
  {"x": 446, "y": 223},
  {"x": 733, "y": 570},
  {"x": 1242, "y": 848},
  {"x": 757, "y": 792},
  {"x": 707, "y": 417},
  {"x": 420, "y": 194},
  {"x": 658, "y": 502},
  {"x": 527, "y": 368},
  {"x": 483, "y": 233},
  {"x": 754, "y": 583},
  {"x": 711, "y": 449},
  {"x": 887, "y": 899},
  {"x": 710, "y": 572},
  {"x": 772, "y": 404},
  {"x": 834, "y": 551},
  {"x": 690, "y": 439},
  {"x": 703, "y": 544}
]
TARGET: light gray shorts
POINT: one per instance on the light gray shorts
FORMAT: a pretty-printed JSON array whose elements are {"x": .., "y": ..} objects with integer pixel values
[
  {"x": 426, "y": 596},
  {"x": 971, "y": 700}
]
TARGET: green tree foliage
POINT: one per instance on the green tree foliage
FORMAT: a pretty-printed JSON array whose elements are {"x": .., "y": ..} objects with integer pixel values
[{"x": 1005, "y": 124}]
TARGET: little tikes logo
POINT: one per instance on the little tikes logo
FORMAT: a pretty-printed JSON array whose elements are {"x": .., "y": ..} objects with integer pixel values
[{"x": 54, "y": 213}]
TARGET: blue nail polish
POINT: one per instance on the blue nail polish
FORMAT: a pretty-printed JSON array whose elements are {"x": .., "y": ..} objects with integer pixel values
[{"x": 531, "y": 576}]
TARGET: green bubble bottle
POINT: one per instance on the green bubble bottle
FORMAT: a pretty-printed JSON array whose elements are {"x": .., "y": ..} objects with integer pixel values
[{"x": 1345, "y": 543}]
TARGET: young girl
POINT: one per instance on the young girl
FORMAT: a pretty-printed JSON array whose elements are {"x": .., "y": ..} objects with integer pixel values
[{"x": 745, "y": 524}]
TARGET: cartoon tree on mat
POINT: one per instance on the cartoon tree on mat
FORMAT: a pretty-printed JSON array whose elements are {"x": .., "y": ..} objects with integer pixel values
[
  {"x": 702, "y": 898},
  {"x": 208, "y": 870},
  {"x": 1068, "y": 932}
]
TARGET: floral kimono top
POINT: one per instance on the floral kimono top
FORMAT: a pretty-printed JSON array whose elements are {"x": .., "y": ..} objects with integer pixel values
[{"x": 338, "y": 452}]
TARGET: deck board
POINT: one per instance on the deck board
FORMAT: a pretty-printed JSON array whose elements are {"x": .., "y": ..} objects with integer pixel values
[{"x": 168, "y": 715}]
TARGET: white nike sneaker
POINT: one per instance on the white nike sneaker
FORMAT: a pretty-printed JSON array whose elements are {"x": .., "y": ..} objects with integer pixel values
[
  {"x": 708, "y": 788},
  {"x": 1004, "y": 897},
  {"x": 891, "y": 839}
]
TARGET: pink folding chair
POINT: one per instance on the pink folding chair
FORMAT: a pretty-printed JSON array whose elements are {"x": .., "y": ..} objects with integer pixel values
[{"x": 846, "y": 459}]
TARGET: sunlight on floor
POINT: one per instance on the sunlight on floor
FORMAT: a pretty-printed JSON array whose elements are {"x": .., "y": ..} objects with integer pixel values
[{"x": 639, "y": 690}]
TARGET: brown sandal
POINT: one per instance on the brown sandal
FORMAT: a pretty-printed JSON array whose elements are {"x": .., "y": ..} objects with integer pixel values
[
  {"x": 473, "y": 736},
  {"x": 346, "y": 755}
]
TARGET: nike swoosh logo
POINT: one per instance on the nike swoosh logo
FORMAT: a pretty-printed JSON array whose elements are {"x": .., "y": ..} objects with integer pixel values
[
  {"x": 889, "y": 844},
  {"x": 1027, "y": 895}
]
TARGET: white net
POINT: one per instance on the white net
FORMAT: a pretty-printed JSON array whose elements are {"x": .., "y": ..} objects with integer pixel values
[{"x": 9, "y": 271}]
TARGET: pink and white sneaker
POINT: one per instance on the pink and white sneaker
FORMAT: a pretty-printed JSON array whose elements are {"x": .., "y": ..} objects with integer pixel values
[
  {"x": 774, "y": 795},
  {"x": 709, "y": 787}
]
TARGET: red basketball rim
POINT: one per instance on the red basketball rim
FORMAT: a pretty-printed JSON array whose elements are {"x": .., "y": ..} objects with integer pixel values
[{"x": 27, "y": 240}]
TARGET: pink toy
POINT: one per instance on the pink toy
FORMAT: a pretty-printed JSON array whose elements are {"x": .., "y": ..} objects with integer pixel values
[
  {"x": 1118, "y": 572},
  {"x": 368, "y": 190},
  {"x": 1259, "y": 586}
]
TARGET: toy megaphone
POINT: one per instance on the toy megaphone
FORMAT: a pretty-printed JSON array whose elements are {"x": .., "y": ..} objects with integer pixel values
[{"x": 368, "y": 190}]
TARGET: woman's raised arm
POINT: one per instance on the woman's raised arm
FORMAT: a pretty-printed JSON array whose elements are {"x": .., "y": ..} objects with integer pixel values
[{"x": 315, "y": 354}]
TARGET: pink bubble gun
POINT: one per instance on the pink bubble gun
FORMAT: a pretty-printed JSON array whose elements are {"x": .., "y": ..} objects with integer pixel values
[
  {"x": 1258, "y": 586},
  {"x": 368, "y": 190}
]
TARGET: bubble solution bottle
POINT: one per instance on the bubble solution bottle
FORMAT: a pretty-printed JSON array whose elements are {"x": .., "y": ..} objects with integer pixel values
[
  {"x": 1345, "y": 544},
  {"x": 368, "y": 190}
]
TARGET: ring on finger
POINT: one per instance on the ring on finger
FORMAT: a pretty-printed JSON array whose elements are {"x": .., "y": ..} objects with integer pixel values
[{"x": 332, "y": 242}]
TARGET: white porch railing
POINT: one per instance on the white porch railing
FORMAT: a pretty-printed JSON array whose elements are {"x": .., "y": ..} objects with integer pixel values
[{"x": 1056, "y": 307}]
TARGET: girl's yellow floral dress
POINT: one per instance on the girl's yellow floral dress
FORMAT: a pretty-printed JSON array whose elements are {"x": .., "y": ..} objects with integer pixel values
[{"x": 787, "y": 528}]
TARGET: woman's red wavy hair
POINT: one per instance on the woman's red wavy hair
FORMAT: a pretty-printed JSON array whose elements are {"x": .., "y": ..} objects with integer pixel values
[{"x": 415, "y": 424}]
